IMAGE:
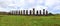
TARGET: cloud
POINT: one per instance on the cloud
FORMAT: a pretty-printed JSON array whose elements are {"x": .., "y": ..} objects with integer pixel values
[
  {"x": 50, "y": 5},
  {"x": 53, "y": 5},
  {"x": 30, "y": 1},
  {"x": 57, "y": 8}
]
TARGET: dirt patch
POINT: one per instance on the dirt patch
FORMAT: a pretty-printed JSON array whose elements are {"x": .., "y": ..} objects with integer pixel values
[
  {"x": 56, "y": 24},
  {"x": 56, "y": 18}
]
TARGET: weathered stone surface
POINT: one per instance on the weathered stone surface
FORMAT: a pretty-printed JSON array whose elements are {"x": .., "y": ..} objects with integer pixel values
[
  {"x": 26, "y": 12},
  {"x": 33, "y": 11},
  {"x": 30, "y": 12},
  {"x": 43, "y": 11}
]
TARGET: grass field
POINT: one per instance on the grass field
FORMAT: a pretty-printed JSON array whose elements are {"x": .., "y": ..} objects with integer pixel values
[{"x": 13, "y": 20}]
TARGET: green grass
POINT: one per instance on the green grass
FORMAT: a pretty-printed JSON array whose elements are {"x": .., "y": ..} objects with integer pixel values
[{"x": 13, "y": 20}]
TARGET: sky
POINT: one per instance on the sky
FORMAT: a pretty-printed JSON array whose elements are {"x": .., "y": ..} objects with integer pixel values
[{"x": 50, "y": 5}]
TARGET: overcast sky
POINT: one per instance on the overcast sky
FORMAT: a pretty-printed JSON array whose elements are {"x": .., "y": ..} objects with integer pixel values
[{"x": 50, "y": 5}]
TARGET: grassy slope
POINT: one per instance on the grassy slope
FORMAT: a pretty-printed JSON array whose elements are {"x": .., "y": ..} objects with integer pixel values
[{"x": 29, "y": 20}]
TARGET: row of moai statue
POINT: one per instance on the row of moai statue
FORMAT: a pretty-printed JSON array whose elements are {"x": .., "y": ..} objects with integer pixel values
[{"x": 30, "y": 12}]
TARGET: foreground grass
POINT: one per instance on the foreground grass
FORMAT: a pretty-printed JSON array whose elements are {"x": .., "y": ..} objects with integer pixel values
[{"x": 13, "y": 20}]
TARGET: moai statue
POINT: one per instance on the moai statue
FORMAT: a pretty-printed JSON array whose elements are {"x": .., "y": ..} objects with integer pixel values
[
  {"x": 37, "y": 12},
  {"x": 12, "y": 12},
  {"x": 30, "y": 12},
  {"x": 19, "y": 12},
  {"x": 26, "y": 12},
  {"x": 43, "y": 11},
  {"x": 33, "y": 11},
  {"x": 40, "y": 12},
  {"x": 16, "y": 12},
  {"x": 23, "y": 12},
  {"x": 46, "y": 12}
]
